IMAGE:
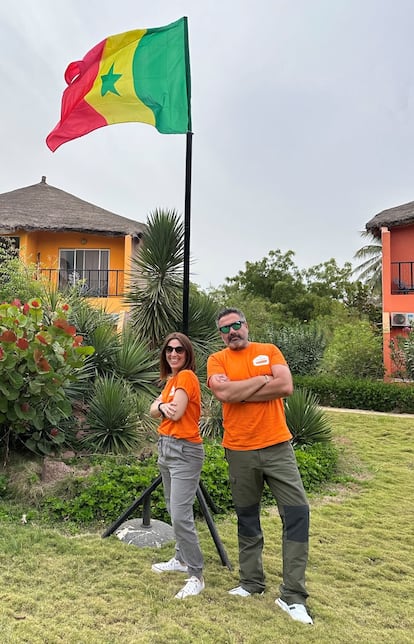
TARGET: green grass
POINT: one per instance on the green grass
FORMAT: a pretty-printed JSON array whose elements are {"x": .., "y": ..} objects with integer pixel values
[{"x": 85, "y": 589}]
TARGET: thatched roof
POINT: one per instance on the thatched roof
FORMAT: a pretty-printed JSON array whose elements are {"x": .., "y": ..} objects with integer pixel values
[
  {"x": 45, "y": 208},
  {"x": 391, "y": 218}
]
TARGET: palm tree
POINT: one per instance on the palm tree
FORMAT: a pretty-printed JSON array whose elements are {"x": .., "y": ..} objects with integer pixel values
[
  {"x": 156, "y": 287},
  {"x": 157, "y": 277},
  {"x": 370, "y": 269}
]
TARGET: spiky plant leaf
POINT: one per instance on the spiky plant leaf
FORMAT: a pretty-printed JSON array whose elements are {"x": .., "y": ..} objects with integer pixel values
[
  {"x": 156, "y": 279},
  {"x": 307, "y": 422},
  {"x": 133, "y": 361},
  {"x": 113, "y": 421}
]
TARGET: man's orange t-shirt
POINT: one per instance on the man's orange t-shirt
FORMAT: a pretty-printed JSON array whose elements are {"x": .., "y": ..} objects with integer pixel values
[
  {"x": 187, "y": 426},
  {"x": 251, "y": 425}
]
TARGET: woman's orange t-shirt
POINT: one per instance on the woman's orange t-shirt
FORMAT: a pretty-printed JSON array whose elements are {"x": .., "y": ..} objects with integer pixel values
[
  {"x": 187, "y": 426},
  {"x": 251, "y": 425}
]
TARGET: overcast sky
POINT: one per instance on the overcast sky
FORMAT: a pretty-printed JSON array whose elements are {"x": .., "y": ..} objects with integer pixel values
[{"x": 303, "y": 120}]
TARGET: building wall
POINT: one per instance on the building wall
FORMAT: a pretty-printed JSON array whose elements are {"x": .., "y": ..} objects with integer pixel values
[
  {"x": 397, "y": 246},
  {"x": 42, "y": 248}
]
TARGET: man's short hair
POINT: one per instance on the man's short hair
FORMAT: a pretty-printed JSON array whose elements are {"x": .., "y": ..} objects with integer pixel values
[{"x": 227, "y": 311}]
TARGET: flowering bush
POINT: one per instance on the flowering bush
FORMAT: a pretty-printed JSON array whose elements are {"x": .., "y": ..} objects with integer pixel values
[{"x": 38, "y": 359}]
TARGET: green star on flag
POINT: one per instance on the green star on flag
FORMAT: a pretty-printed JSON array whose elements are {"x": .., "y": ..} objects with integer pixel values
[{"x": 108, "y": 82}]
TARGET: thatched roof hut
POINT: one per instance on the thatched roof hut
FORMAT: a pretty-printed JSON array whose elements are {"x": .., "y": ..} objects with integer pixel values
[
  {"x": 391, "y": 218},
  {"x": 45, "y": 208}
]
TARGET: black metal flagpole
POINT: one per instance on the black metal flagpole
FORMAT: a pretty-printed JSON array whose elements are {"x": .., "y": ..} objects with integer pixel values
[{"x": 187, "y": 221}]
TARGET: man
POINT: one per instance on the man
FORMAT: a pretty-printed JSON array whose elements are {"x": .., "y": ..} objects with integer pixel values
[{"x": 251, "y": 379}]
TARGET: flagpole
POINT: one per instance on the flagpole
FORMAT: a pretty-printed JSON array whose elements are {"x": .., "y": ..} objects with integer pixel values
[{"x": 187, "y": 221}]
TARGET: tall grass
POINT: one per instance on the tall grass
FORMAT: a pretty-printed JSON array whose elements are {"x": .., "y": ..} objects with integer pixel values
[{"x": 85, "y": 589}]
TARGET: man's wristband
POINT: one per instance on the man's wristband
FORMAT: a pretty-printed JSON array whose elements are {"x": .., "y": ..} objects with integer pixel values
[{"x": 160, "y": 410}]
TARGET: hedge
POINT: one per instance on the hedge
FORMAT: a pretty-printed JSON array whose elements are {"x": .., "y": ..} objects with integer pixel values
[{"x": 350, "y": 393}]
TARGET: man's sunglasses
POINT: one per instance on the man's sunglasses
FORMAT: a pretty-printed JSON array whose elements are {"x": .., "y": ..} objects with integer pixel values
[
  {"x": 178, "y": 350},
  {"x": 235, "y": 326}
]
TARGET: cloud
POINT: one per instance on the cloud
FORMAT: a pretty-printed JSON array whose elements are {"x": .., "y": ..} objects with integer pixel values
[{"x": 302, "y": 115}]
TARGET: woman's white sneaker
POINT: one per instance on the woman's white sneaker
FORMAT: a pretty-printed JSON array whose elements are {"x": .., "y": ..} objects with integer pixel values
[
  {"x": 194, "y": 586},
  {"x": 173, "y": 565}
]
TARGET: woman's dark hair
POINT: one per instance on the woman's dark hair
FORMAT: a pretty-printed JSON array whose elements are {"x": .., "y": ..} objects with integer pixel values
[{"x": 165, "y": 369}]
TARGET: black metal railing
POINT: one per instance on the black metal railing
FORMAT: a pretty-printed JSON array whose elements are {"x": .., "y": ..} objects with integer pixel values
[
  {"x": 402, "y": 278},
  {"x": 90, "y": 282}
]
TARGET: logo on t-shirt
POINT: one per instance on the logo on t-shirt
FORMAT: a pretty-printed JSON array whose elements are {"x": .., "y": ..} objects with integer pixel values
[
  {"x": 258, "y": 361},
  {"x": 172, "y": 392}
]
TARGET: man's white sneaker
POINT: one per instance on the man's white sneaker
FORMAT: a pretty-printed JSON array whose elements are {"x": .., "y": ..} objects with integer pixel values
[
  {"x": 297, "y": 612},
  {"x": 240, "y": 591},
  {"x": 194, "y": 586},
  {"x": 173, "y": 565}
]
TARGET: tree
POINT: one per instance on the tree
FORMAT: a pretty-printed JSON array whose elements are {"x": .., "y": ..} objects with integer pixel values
[
  {"x": 156, "y": 290},
  {"x": 293, "y": 294},
  {"x": 370, "y": 269},
  {"x": 157, "y": 278},
  {"x": 275, "y": 278}
]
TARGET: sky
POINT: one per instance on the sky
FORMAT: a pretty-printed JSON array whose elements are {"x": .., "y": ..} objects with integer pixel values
[{"x": 302, "y": 113}]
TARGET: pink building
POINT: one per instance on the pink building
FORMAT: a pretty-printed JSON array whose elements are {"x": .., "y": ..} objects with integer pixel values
[{"x": 395, "y": 228}]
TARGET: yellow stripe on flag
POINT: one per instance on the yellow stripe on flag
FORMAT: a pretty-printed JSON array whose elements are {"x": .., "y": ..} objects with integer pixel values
[{"x": 119, "y": 104}]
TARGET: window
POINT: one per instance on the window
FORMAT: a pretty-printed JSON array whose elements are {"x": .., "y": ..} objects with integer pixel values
[{"x": 86, "y": 268}]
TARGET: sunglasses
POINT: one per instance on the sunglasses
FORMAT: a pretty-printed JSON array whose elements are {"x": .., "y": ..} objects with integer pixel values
[
  {"x": 178, "y": 350},
  {"x": 235, "y": 326}
]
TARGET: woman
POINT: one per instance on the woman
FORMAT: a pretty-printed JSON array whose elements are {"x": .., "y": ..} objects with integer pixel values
[{"x": 180, "y": 456}]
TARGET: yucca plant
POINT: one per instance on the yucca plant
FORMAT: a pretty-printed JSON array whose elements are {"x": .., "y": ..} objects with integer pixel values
[
  {"x": 307, "y": 422},
  {"x": 157, "y": 278},
  {"x": 112, "y": 421},
  {"x": 134, "y": 362},
  {"x": 106, "y": 342}
]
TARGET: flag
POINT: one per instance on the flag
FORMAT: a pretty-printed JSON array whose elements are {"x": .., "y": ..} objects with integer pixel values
[{"x": 141, "y": 75}]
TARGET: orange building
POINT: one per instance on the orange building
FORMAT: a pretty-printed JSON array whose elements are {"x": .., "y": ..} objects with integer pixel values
[
  {"x": 395, "y": 228},
  {"x": 72, "y": 241}
]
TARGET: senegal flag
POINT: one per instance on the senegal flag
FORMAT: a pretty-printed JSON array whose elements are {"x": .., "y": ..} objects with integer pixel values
[{"x": 141, "y": 75}]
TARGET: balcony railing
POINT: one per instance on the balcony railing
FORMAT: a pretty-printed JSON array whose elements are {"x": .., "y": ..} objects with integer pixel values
[
  {"x": 90, "y": 282},
  {"x": 402, "y": 278}
]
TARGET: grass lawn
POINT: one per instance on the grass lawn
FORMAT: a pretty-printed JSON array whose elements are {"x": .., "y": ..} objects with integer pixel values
[{"x": 85, "y": 589}]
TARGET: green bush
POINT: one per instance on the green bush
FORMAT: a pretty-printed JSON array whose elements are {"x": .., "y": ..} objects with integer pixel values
[
  {"x": 40, "y": 356},
  {"x": 355, "y": 351},
  {"x": 107, "y": 493},
  {"x": 352, "y": 393},
  {"x": 303, "y": 346},
  {"x": 317, "y": 464}
]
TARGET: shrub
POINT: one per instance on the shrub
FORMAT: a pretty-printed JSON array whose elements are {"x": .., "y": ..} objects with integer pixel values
[
  {"x": 38, "y": 360},
  {"x": 16, "y": 279},
  {"x": 352, "y": 393},
  {"x": 317, "y": 464},
  {"x": 302, "y": 345},
  {"x": 354, "y": 351},
  {"x": 107, "y": 493}
]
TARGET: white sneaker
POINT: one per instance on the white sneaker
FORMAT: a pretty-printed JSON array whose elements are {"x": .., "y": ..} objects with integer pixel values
[
  {"x": 297, "y": 612},
  {"x": 194, "y": 586},
  {"x": 240, "y": 591},
  {"x": 173, "y": 565}
]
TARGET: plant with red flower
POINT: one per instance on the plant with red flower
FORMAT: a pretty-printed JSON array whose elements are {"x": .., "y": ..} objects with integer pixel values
[
  {"x": 38, "y": 359},
  {"x": 22, "y": 343}
]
